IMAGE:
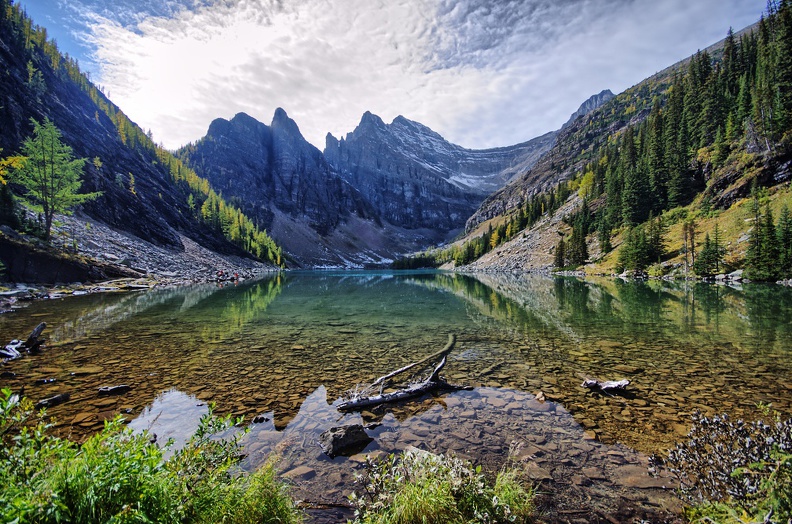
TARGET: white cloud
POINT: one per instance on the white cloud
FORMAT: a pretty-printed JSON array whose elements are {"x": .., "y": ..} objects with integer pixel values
[{"x": 481, "y": 73}]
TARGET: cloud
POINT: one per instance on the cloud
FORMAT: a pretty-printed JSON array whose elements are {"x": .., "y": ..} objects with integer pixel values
[{"x": 481, "y": 73}]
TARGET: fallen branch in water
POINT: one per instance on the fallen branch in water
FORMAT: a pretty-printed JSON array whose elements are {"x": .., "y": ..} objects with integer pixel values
[
  {"x": 607, "y": 385},
  {"x": 360, "y": 400},
  {"x": 13, "y": 350}
]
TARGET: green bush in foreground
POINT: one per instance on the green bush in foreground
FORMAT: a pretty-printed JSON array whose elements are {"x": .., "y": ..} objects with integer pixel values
[
  {"x": 117, "y": 476},
  {"x": 420, "y": 487}
]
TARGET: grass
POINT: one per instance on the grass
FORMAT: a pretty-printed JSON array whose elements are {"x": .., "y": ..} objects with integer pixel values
[
  {"x": 423, "y": 488},
  {"x": 120, "y": 477}
]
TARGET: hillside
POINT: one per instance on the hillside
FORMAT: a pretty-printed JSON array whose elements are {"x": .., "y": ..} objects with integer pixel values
[
  {"x": 145, "y": 192},
  {"x": 686, "y": 145}
]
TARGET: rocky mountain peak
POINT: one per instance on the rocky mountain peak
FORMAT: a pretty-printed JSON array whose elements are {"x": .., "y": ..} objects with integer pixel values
[
  {"x": 593, "y": 102},
  {"x": 282, "y": 122},
  {"x": 370, "y": 121},
  {"x": 415, "y": 128},
  {"x": 241, "y": 123}
]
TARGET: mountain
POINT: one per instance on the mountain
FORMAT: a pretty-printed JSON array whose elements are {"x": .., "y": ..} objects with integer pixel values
[
  {"x": 145, "y": 191},
  {"x": 287, "y": 185},
  {"x": 267, "y": 169},
  {"x": 416, "y": 179},
  {"x": 555, "y": 165},
  {"x": 382, "y": 191}
]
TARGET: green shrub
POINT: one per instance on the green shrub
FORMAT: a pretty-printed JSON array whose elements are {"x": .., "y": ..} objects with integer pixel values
[
  {"x": 118, "y": 476},
  {"x": 420, "y": 487}
]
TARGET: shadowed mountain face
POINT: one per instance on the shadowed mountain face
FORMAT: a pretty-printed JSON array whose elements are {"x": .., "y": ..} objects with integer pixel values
[
  {"x": 416, "y": 179},
  {"x": 270, "y": 169},
  {"x": 288, "y": 187},
  {"x": 383, "y": 191}
]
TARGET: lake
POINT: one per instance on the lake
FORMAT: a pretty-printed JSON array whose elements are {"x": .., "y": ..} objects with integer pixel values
[{"x": 288, "y": 346}]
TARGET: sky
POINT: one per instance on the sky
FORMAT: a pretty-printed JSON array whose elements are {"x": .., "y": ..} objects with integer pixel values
[{"x": 482, "y": 73}]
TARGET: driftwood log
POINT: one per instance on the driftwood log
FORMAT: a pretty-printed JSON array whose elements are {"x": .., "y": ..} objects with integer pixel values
[
  {"x": 361, "y": 400},
  {"x": 13, "y": 350},
  {"x": 607, "y": 385}
]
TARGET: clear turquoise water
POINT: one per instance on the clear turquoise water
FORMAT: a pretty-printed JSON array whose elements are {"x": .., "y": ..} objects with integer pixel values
[{"x": 289, "y": 346}]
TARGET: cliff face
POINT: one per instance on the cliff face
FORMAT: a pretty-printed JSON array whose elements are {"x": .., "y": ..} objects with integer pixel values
[
  {"x": 289, "y": 188},
  {"x": 267, "y": 168},
  {"x": 415, "y": 179},
  {"x": 594, "y": 102}
]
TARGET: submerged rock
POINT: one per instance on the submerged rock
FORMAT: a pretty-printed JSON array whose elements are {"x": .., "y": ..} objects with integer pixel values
[
  {"x": 344, "y": 440},
  {"x": 53, "y": 401},
  {"x": 115, "y": 390}
]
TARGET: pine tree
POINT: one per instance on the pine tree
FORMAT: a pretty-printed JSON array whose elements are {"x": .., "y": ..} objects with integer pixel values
[
  {"x": 707, "y": 262},
  {"x": 560, "y": 254},
  {"x": 675, "y": 142},
  {"x": 633, "y": 254},
  {"x": 719, "y": 249},
  {"x": 784, "y": 232},
  {"x": 689, "y": 242},
  {"x": 577, "y": 250},
  {"x": 769, "y": 259},
  {"x": 658, "y": 177},
  {"x": 783, "y": 67},
  {"x": 655, "y": 238},
  {"x": 633, "y": 193}
]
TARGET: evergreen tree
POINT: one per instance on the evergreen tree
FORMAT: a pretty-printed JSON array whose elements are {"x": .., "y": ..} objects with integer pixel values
[
  {"x": 50, "y": 174},
  {"x": 577, "y": 250},
  {"x": 720, "y": 251},
  {"x": 560, "y": 254},
  {"x": 689, "y": 242},
  {"x": 658, "y": 178},
  {"x": 708, "y": 261},
  {"x": 633, "y": 193},
  {"x": 784, "y": 231},
  {"x": 769, "y": 258},
  {"x": 675, "y": 142},
  {"x": 655, "y": 238},
  {"x": 783, "y": 67},
  {"x": 604, "y": 236},
  {"x": 633, "y": 254},
  {"x": 762, "y": 261}
]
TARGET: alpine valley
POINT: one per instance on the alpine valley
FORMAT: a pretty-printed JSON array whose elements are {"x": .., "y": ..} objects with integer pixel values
[
  {"x": 262, "y": 192},
  {"x": 609, "y": 303}
]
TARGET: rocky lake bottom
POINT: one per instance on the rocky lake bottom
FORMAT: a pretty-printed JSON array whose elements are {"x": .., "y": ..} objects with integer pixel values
[{"x": 287, "y": 347}]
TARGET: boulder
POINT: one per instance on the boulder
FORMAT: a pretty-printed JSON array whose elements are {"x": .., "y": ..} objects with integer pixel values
[
  {"x": 115, "y": 390},
  {"x": 344, "y": 440}
]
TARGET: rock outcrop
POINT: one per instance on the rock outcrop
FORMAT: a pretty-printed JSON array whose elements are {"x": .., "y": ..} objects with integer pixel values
[
  {"x": 268, "y": 168},
  {"x": 593, "y": 102}
]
